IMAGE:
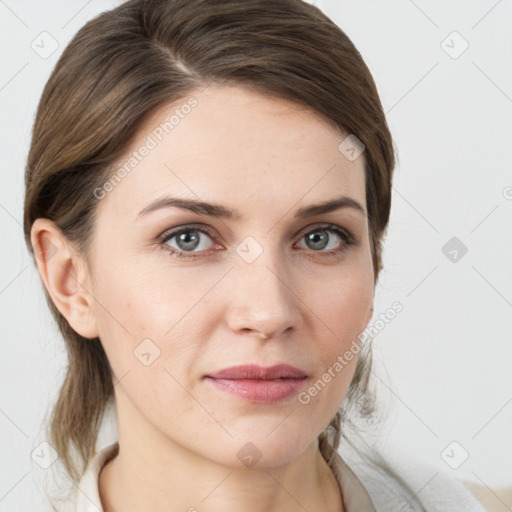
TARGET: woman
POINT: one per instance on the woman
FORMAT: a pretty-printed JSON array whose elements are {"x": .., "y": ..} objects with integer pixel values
[{"x": 207, "y": 191}]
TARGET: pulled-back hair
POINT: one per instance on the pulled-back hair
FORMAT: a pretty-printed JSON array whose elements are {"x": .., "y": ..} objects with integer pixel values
[{"x": 126, "y": 63}]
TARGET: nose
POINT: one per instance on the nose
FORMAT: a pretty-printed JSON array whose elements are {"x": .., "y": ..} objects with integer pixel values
[{"x": 263, "y": 301}]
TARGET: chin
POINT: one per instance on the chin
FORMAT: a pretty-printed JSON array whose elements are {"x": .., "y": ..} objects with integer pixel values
[{"x": 264, "y": 451}]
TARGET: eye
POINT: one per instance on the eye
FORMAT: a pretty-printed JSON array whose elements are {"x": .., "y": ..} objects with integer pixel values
[
  {"x": 189, "y": 242},
  {"x": 321, "y": 239},
  {"x": 186, "y": 240}
]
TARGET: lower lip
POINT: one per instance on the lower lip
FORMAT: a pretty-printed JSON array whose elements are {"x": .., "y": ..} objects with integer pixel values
[{"x": 260, "y": 391}]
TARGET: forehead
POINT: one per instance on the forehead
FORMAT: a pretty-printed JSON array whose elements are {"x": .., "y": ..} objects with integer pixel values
[{"x": 233, "y": 146}]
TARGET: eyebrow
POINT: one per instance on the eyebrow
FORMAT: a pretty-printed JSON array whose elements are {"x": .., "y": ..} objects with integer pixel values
[{"x": 222, "y": 212}]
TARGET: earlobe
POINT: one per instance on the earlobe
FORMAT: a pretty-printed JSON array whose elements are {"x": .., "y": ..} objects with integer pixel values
[{"x": 64, "y": 275}]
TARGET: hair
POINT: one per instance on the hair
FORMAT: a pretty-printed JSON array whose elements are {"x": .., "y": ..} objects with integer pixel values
[{"x": 115, "y": 73}]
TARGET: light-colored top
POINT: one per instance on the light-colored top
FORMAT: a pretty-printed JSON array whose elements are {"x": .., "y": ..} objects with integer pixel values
[{"x": 385, "y": 485}]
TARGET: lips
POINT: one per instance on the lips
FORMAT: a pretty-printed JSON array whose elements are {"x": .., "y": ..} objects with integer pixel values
[
  {"x": 254, "y": 372},
  {"x": 258, "y": 384}
]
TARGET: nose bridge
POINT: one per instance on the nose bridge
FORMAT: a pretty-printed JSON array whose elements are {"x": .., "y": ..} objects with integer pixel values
[{"x": 263, "y": 299}]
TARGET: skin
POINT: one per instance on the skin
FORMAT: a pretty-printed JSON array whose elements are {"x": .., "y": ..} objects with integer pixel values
[{"x": 178, "y": 435}]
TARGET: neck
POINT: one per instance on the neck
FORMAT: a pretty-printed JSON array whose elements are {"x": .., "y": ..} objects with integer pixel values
[{"x": 151, "y": 472}]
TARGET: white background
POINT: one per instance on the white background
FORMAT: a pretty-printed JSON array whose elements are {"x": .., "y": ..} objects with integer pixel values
[{"x": 445, "y": 362}]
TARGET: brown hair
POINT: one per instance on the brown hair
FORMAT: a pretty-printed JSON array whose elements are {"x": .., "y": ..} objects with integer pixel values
[{"x": 127, "y": 62}]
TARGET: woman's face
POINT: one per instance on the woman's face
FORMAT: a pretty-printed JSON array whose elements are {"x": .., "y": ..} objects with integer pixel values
[{"x": 174, "y": 309}]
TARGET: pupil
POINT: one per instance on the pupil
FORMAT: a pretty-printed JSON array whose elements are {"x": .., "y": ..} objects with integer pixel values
[
  {"x": 318, "y": 240},
  {"x": 187, "y": 241}
]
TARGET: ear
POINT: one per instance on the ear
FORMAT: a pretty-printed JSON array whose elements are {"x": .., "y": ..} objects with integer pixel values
[{"x": 65, "y": 276}]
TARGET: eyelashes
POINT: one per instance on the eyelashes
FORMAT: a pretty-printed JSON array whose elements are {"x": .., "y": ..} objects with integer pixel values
[{"x": 347, "y": 240}]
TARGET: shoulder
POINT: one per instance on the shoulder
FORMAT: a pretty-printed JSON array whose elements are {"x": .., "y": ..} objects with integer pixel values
[
  {"x": 493, "y": 499},
  {"x": 396, "y": 481},
  {"x": 87, "y": 498}
]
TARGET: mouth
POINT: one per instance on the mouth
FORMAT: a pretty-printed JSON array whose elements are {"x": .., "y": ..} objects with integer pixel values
[{"x": 258, "y": 384}]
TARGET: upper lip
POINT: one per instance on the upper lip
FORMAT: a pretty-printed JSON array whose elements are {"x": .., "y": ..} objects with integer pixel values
[{"x": 255, "y": 372}]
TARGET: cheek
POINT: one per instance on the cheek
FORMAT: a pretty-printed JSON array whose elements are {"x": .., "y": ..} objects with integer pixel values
[
  {"x": 341, "y": 314},
  {"x": 343, "y": 304},
  {"x": 136, "y": 298},
  {"x": 152, "y": 324}
]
